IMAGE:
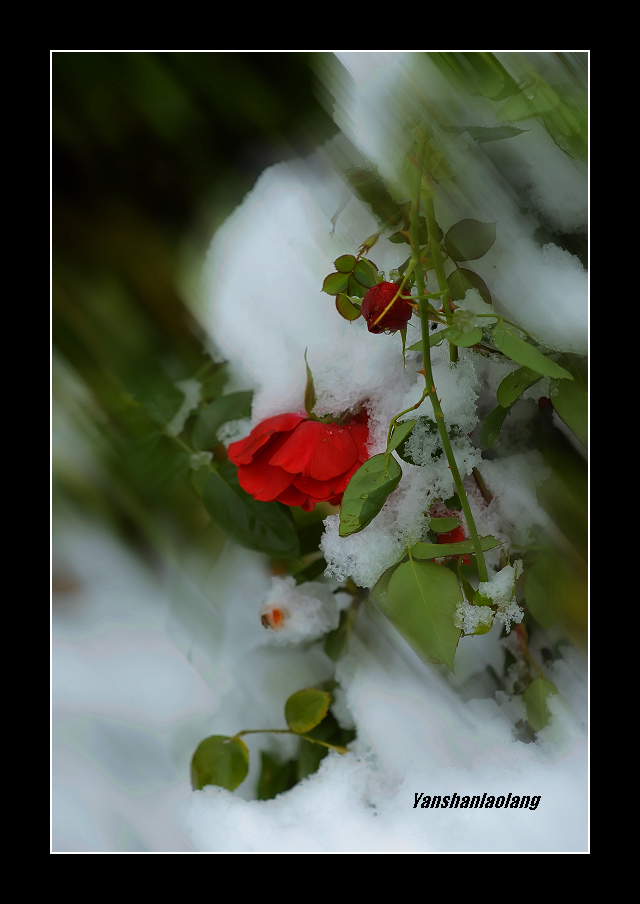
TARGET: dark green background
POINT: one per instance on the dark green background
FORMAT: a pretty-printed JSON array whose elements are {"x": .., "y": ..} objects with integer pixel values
[{"x": 150, "y": 152}]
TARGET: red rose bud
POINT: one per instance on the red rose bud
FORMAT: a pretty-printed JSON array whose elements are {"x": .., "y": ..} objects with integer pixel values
[
  {"x": 381, "y": 311},
  {"x": 297, "y": 461}
]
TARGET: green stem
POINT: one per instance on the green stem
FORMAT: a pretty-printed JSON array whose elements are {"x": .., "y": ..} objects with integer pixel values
[
  {"x": 406, "y": 411},
  {"x": 294, "y": 733},
  {"x": 438, "y": 263},
  {"x": 432, "y": 230}
]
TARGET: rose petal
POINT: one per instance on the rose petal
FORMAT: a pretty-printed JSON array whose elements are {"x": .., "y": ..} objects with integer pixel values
[
  {"x": 319, "y": 489},
  {"x": 321, "y": 451},
  {"x": 293, "y": 496},
  {"x": 262, "y": 480},
  {"x": 360, "y": 434},
  {"x": 243, "y": 451}
]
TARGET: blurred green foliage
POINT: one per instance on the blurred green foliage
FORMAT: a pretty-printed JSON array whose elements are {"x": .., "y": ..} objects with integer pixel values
[{"x": 150, "y": 152}]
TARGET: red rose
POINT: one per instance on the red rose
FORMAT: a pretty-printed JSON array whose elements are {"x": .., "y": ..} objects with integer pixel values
[
  {"x": 292, "y": 459},
  {"x": 379, "y": 311}
]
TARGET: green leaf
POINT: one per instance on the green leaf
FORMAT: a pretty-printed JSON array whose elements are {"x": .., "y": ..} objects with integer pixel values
[
  {"x": 435, "y": 338},
  {"x": 221, "y": 761},
  {"x": 461, "y": 280},
  {"x": 403, "y": 266},
  {"x": 486, "y": 75},
  {"x": 355, "y": 290},
  {"x": 468, "y": 240},
  {"x": 310, "y": 389},
  {"x": 263, "y": 526},
  {"x": 345, "y": 263},
  {"x": 477, "y": 72},
  {"x": 346, "y": 308},
  {"x": 335, "y": 283},
  {"x": 311, "y": 755},
  {"x": 544, "y": 588},
  {"x": 491, "y": 427},
  {"x": 367, "y": 492},
  {"x": 420, "y": 602},
  {"x": 275, "y": 777},
  {"x": 519, "y": 350},
  {"x": 306, "y": 709},
  {"x": 400, "y": 432},
  {"x": 365, "y": 273},
  {"x": 336, "y": 642},
  {"x": 159, "y": 397},
  {"x": 436, "y": 550},
  {"x": 373, "y": 190},
  {"x": 535, "y": 98},
  {"x": 380, "y": 589},
  {"x": 483, "y": 134},
  {"x": 461, "y": 338},
  {"x": 213, "y": 383},
  {"x": 444, "y": 525},
  {"x": 199, "y": 477},
  {"x": 211, "y": 417},
  {"x": 571, "y": 402},
  {"x": 514, "y": 384},
  {"x": 535, "y": 700},
  {"x": 156, "y": 463}
]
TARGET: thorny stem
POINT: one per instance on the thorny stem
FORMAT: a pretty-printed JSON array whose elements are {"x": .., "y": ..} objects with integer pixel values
[
  {"x": 438, "y": 263},
  {"x": 432, "y": 231}
]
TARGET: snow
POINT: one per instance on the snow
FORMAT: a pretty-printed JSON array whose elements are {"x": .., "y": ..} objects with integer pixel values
[{"x": 145, "y": 668}]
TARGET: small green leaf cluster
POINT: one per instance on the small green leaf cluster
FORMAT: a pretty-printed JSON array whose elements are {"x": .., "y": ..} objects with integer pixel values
[
  {"x": 352, "y": 278},
  {"x": 568, "y": 385},
  {"x": 224, "y": 761}
]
